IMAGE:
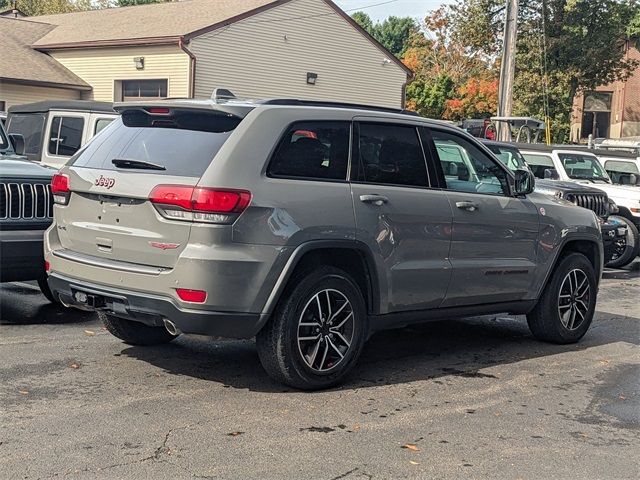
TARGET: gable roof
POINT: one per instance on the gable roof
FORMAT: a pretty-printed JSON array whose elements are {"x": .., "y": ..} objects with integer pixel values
[
  {"x": 22, "y": 64},
  {"x": 152, "y": 23},
  {"x": 162, "y": 23}
]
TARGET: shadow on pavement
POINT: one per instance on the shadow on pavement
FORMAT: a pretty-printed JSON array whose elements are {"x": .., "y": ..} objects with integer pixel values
[
  {"x": 23, "y": 304},
  {"x": 428, "y": 351}
]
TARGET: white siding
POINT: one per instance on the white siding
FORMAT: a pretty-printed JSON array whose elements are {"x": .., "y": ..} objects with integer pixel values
[
  {"x": 269, "y": 55},
  {"x": 17, "y": 94},
  {"x": 102, "y": 67}
]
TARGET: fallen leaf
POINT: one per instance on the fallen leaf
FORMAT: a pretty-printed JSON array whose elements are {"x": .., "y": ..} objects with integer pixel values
[
  {"x": 23, "y": 392},
  {"x": 413, "y": 463},
  {"x": 74, "y": 365},
  {"x": 411, "y": 446},
  {"x": 355, "y": 427},
  {"x": 89, "y": 333},
  {"x": 622, "y": 397},
  {"x": 605, "y": 362},
  {"x": 235, "y": 434}
]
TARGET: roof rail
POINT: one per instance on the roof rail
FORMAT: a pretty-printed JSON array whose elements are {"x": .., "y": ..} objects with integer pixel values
[{"x": 320, "y": 103}]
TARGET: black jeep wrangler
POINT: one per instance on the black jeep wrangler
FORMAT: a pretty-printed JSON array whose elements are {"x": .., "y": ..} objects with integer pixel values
[{"x": 26, "y": 208}]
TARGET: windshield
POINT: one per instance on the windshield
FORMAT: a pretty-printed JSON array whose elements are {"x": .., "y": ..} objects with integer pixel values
[
  {"x": 509, "y": 156},
  {"x": 31, "y": 127},
  {"x": 582, "y": 167}
]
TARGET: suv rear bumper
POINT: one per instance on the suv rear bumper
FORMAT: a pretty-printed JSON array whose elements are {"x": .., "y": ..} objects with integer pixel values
[{"x": 153, "y": 309}]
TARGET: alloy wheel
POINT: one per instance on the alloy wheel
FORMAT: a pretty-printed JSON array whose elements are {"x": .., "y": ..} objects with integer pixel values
[
  {"x": 574, "y": 299},
  {"x": 325, "y": 330}
]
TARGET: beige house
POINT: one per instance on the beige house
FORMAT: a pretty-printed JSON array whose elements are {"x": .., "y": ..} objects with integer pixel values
[{"x": 256, "y": 48}]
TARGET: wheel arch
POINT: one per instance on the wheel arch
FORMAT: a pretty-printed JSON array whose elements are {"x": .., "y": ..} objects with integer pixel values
[{"x": 350, "y": 255}]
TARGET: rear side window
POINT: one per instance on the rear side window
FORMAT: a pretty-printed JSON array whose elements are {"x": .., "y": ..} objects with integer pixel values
[
  {"x": 538, "y": 163},
  {"x": 65, "y": 137},
  {"x": 184, "y": 143},
  {"x": 391, "y": 155},
  {"x": 313, "y": 150},
  {"x": 30, "y": 126},
  {"x": 101, "y": 123}
]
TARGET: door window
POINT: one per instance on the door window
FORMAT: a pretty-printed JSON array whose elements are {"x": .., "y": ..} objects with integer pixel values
[
  {"x": 466, "y": 168},
  {"x": 30, "y": 126},
  {"x": 391, "y": 155},
  {"x": 101, "y": 123},
  {"x": 65, "y": 137},
  {"x": 313, "y": 150}
]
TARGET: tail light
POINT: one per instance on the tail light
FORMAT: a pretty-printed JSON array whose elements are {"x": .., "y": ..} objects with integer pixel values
[
  {"x": 47, "y": 266},
  {"x": 197, "y": 204},
  {"x": 60, "y": 188},
  {"x": 193, "y": 296}
]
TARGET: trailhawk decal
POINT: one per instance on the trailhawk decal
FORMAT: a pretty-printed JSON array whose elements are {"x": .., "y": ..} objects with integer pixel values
[
  {"x": 105, "y": 182},
  {"x": 164, "y": 246}
]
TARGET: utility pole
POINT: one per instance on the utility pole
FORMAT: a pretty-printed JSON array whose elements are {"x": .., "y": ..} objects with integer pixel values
[{"x": 507, "y": 68}]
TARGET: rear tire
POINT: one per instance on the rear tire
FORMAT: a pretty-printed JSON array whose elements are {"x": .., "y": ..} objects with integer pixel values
[
  {"x": 566, "y": 307},
  {"x": 46, "y": 291},
  {"x": 632, "y": 248},
  {"x": 317, "y": 331},
  {"x": 135, "y": 333}
]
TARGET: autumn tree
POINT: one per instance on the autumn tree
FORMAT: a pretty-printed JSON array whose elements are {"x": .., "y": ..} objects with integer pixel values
[
  {"x": 477, "y": 98},
  {"x": 563, "y": 47}
]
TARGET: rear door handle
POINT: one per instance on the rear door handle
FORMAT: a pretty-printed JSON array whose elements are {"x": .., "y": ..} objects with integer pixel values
[
  {"x": 377, "y": 200},
  {"x": 468, "y": 206}
]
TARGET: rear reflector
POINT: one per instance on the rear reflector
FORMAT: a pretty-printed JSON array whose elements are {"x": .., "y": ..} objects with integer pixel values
[
  {"x": 60, "y": 188},
  {"x": 47, "y": 266},
  {"x": 193, "y": 296},
  {"x": 213, "y": 205}
]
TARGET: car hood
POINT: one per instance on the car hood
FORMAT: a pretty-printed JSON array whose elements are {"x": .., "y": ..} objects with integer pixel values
[
  {"x": 553, "y": 186},
  {"x": 18, "y": 167}
]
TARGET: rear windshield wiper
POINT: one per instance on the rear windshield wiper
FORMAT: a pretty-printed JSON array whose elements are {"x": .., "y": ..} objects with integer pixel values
[{"x": 141, "y": 164}]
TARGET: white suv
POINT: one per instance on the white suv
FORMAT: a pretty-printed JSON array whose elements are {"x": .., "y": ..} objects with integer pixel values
[{"x": 575, "y": 164}]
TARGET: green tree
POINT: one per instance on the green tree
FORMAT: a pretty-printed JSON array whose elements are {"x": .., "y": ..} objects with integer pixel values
[
  {"x": 394, "y": 32},
  {"x": 563, "y": 47},
  {"x": 428, "y": 96}
]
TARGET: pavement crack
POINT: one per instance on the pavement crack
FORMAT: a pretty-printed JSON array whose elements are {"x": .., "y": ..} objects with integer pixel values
[{"x": 345, "y": 474}]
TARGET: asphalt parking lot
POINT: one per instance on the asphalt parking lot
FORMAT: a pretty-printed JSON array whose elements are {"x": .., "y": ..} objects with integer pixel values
[{"x": 470, "y": 398}]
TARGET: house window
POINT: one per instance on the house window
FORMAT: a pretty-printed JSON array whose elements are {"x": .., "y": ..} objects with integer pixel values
[
  {"x": 139, "y": 89},
  {"x": 2, "y": 105}
]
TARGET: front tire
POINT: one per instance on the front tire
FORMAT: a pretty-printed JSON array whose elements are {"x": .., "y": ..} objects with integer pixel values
[
  {"x": 135, "y": 333},
  {"x": 317, "y": 331},
  {"x": 566, "y": 307}
]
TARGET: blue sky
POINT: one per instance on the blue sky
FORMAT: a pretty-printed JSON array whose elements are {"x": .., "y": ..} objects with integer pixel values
[{"x": 399, "y": 8}]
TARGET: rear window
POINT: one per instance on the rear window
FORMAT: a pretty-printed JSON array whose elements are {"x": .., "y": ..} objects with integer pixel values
[
  {"x": 183, "y": 143},
  {"x": 30, "y": 126},
  {"x": 538, "y": 163}
]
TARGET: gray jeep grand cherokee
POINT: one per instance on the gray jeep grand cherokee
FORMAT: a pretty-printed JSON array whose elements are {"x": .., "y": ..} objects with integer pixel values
[{"x": 309, "y": 225}]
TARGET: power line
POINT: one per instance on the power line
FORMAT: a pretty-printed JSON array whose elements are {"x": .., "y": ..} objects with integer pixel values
[{"x": 302, "y": 17}]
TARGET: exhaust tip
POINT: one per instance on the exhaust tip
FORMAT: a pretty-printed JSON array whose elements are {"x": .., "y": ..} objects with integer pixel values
[{"x": 171, "y": 327}]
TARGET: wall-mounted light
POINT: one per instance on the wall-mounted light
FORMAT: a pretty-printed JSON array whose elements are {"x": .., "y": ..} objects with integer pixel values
[
  {"x": 139, "y": 63},
  {"x": 312, "y": 78},
  {"x": 386, "y": 61}
]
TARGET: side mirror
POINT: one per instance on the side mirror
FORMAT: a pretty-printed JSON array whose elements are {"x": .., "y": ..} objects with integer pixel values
[
  {"x": 18, "y": 143},
  {"x": 551, "y": 174},
  {"x": 524, "y": 182}
]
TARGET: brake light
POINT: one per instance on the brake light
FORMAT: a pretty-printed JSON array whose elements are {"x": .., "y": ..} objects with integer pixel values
[
  {"x": 212, "y": 205},
  {"x": 158, "y": 110},
  {"x": 193, "y": 296},
  {"x": 60, "y": 188}
]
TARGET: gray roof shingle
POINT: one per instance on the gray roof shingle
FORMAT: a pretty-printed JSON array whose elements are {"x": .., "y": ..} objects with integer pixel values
[{"x": 18, "y": 61}]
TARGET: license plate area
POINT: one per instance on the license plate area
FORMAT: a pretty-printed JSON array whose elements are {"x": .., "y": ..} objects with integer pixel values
[{"x": 98, "y": 301}]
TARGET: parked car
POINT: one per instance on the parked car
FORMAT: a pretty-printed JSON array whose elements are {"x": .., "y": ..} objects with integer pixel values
[
  {"x": 54, "y": 130},
  {"x": 623, "y": 168},
  {"x": 309, "y": 225},
  {"x": 25, "y": 213},
  {"x": 574, "y": 164},
  {"x": 618, "y": 240}
]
